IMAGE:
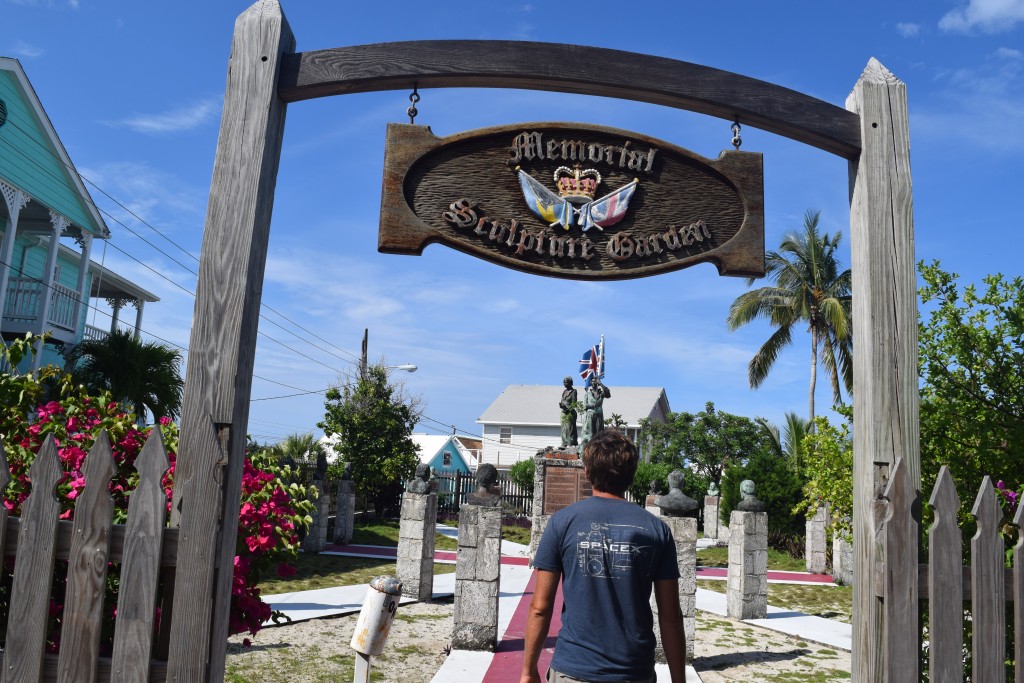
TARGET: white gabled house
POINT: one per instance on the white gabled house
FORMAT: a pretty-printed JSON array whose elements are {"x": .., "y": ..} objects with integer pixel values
[{"x": 526, "y": 418}]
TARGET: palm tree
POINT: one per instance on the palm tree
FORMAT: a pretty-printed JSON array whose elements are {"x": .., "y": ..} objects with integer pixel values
[
  {"x": 140, "y": 375},
  {"x": 809, "y": 287},
  {"x": 297, "y": 448},
  {"x": 788, "y": 443}
]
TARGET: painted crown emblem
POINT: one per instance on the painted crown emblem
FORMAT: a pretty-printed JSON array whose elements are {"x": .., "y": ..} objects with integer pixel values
[{"x": 575, "y": 184}]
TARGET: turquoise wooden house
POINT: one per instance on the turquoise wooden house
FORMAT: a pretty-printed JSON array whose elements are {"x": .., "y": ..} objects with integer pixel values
[
  {"x": 49, "y": 223},
  {"x": 448, "y": 454}
]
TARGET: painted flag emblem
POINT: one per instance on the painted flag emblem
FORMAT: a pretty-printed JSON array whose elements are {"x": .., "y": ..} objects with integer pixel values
[{"x": 607, "y": 210}]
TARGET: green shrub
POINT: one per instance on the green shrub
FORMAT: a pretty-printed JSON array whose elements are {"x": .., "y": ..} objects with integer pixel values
[
  {"x": 522, "y": 473},
  {"x": 778, "y": 486}
]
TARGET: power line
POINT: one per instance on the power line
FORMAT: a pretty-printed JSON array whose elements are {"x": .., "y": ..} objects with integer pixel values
[{"x": 169, "y": 240}]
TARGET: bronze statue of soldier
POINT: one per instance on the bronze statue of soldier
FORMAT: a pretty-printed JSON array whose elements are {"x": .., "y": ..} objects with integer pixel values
[{"x": 568, "y": 406}]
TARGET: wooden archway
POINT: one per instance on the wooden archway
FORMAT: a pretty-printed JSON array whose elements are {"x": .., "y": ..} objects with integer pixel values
[{"x": 265, "y": 74}]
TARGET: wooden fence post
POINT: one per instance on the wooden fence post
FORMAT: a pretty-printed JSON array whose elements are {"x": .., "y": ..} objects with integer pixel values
[
  {"x": 885, "y": 392},
  {"x": 945, "y": 585},
  {"x": 222, "y": 346},
  {"x": 988, "y": 602}
]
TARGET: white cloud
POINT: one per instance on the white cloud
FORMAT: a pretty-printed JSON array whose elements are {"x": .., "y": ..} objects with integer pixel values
[
  {"x": 1009, "y": 53},
  {"x": 908, "y": 30},
  {"x": 183, "y": 118},
  {"x": 23, "y": 49},
  {"x": 988, "y": 16}
]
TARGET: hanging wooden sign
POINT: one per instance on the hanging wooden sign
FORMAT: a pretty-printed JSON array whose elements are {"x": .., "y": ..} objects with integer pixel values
[{"x": 572, "y": 200}]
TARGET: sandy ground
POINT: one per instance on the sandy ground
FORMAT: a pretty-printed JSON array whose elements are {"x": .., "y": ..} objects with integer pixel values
[{"x": 319, "y": 650}]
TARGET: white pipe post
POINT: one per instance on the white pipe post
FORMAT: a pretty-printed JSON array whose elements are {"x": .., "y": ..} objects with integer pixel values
[{"x": 374, "y": 623}]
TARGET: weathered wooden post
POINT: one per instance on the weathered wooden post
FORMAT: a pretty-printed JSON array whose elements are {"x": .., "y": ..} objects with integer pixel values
[
  {"x": 223, "y": 343},
  {"x": 885, "y": 392}
]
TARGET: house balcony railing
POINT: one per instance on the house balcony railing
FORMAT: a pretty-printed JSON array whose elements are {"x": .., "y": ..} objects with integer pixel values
[
  {"x": 24, "y": 304},
  {"x": 94, "y": 333}
]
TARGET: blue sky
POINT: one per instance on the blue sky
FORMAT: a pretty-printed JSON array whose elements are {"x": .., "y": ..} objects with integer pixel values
[{"x": 134, "y": 89}]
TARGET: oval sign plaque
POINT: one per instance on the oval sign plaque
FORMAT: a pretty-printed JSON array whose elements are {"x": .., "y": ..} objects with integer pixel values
[{"x": 572, "y": 200}]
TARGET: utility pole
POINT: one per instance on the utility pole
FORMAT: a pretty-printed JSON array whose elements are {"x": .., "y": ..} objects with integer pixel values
[{"x": 362, "y": 362}]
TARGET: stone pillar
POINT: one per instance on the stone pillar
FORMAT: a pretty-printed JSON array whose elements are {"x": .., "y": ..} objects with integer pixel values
[
  {"x": 815, "y": 542},
  {"x": 684, "y": 531},
  {"x": 316, "y": 537},
  {"x": 711, "y": 516},
  {"x": 416, "y": 545},
  {"x": 477, "y": 577},
  {"x": 747, "y": 592},
  {"x": 842, "y": 560},
  {"x": 651, "y": 507},
  {"x": 558, "y": 481},
  {"x": 344, "y": 518},
  {"x": 723, "y": 534}
]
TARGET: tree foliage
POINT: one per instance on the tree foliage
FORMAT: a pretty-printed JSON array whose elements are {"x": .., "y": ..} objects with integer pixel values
[
  {"x": 298, "y": 448},
  {"x": 778, "y": 486},
  {"x": 522, "y": 474},
  {"x": 810, "y": 288},
  {"x": 141, "y": 375},
  {"x": 829, "y": 476},
  {"x": 708, "y": 441},
  {"x": 972, "y": 390},
  {"x": 373, "y": 420}
]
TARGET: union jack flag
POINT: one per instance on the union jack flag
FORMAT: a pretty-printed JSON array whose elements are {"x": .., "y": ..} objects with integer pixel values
[{"x": 592, "y": 364}]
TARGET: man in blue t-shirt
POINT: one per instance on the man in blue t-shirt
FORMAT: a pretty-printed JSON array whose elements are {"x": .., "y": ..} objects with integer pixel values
[{"x": 608, "y": 553}]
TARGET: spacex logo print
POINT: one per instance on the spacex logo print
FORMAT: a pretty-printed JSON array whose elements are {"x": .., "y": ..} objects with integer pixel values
[{"x": 607, "y": 550}]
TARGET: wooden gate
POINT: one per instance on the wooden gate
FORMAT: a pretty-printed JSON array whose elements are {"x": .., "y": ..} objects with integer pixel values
[
  {"x": 144, "y": 548},
  {"x": 946, "y": 588}
]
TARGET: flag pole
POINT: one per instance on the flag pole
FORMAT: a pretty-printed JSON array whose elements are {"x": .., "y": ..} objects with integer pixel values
[{"x": 600, "y": 361}]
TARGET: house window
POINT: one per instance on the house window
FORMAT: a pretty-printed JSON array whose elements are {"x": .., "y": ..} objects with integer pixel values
[
  {"x": 506, "y": 435},
  {"x": 447, "y": 459}
]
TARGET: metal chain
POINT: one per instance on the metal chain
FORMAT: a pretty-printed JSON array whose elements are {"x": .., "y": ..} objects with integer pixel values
[
  {"x": 412, "y": 111},
  {"x": 736, "y": 139}
]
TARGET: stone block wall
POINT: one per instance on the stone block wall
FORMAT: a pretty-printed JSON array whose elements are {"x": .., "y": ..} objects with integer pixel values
[
  {"x": 344, "y": 518},
  {"x": 316, "y": 537},
  {"x": 747, "y": 590},
  {"x": 711, "y": 523},
  {"x": 684, "y": 531},
  {"x": 842, "y": 561},
  {"x": 815, "y": 543},
  {"x": 415, "y": 568},
  {"x": 540, "y": 520},
  {"x": 477, "y": 579}
]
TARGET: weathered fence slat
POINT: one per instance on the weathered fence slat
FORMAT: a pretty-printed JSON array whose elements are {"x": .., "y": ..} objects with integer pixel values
[
  {"x": 33, "y": 571},
  {"x": 140, "y": 571},
  {"x": 988, "y": 600},
  {"x": 900, "y": 542},
  {"x": 87, "y": 567},
  {"x": 1018, "y": 595},
  {"x": 5, "y": 479},
  {"x": 945, "y": 584}
]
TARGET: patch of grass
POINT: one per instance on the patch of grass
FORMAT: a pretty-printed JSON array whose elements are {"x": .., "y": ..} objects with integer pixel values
[
  {"x": 385, "y": 532},
  {"x": 777, "y": 561},
  {"x": 816, "y": 676},
  {"x": 327, "y": 571},
  {"x": 516, "y": 534},
  {"x": 289, "y": 664},
  {"x": 826, "y": 601}
]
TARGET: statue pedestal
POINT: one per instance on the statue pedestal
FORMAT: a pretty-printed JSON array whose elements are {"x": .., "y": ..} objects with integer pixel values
[
  {"x": 477, "y": 579},
  {"x": 415, "y": 568},
  {"x": 747, "y": 591},
  {"x": 684, "y": 531}
]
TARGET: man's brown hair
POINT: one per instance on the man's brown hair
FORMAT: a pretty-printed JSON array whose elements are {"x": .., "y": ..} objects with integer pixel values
[{"x": 611, "y": 460}]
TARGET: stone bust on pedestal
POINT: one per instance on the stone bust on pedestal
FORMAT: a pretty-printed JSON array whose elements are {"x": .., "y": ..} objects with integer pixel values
[
  {"x": 421, "y": 482},
  {"x": 676, "y": 503},
  {"x": 486, "y": 478},
  {"x": 749, "y": 501}
]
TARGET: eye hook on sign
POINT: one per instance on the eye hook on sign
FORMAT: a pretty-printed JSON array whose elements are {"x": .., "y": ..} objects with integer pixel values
[
  {"x": 736, "y": 139},
  {"x": 414, "y": 98}
]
